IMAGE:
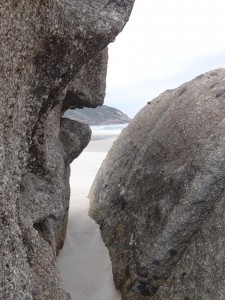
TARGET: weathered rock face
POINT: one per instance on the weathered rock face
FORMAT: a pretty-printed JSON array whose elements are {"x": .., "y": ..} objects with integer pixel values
[
  {"x": 159, "y": 196},
  {"x": 48, "y": 51}
]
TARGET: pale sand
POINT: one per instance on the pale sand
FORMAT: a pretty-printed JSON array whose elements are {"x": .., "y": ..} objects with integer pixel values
[
  {"x": 84, "y": 261},
  {"x": 100, "y": 144}
]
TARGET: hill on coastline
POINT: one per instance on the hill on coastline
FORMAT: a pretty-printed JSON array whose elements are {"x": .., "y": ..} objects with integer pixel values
[{"x": 98, "y": 116}]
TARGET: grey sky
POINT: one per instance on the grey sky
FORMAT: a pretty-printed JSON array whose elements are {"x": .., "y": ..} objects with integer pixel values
[{"x": 164, "y": 44}]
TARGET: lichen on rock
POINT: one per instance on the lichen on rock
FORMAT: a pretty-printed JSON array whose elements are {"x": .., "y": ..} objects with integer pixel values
[
  {"x": 45, "y": 46},
  {"x": 159, "y": 196}
]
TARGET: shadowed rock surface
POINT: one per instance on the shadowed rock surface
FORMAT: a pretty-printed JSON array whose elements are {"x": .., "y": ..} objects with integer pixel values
[
  {"x": 53, "y": 57},
  {"x": 159, "y": 196}
]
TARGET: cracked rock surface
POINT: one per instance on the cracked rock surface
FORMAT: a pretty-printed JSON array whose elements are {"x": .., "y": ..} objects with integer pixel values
[
  {"x": 159, "y": 196},
  {"x": 53, "y": 57}
]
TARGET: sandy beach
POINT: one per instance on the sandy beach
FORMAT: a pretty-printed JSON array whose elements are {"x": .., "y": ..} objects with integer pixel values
[{"x": 84, "y": 262}]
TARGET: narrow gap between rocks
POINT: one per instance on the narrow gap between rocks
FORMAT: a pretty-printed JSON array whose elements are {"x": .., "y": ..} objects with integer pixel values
[{"x": 84, "y": 261}]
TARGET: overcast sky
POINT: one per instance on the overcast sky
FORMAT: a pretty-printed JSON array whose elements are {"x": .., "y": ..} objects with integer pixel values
[{"x": 164, "y": 44}]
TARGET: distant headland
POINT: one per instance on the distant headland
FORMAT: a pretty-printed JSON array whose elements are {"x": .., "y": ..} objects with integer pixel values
[{"x": 98, "y": 116}]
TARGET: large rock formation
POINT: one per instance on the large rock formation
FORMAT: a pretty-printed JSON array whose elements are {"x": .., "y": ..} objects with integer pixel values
[
  {"x": 53, "y": 57},
  {"x": 159, "y": 196}
]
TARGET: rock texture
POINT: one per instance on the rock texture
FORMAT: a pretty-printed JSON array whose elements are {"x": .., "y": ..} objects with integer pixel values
[
  {"x": 104, "y": 115},
  {"x": 53, "y": 56},
  {"x": 159, "y": 196}
]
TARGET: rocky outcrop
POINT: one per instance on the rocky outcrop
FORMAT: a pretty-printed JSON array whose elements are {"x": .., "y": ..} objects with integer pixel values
[
  {"x": 53, "y": 57},
  {"x": 159, "y": 196},
  {"x": 104, "y": 115}
]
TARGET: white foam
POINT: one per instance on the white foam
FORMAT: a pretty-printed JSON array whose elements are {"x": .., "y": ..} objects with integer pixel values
[{"x": 113, "y": 129}]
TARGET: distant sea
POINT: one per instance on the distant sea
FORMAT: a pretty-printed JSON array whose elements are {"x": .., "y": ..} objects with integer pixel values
[{"x": 111, "y": 130}]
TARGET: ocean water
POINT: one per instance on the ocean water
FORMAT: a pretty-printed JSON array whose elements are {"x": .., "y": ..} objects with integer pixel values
[{"x": 113, "y": 129}]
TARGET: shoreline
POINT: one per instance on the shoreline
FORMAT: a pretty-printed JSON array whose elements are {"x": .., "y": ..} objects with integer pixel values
[{"x": 96, "y": 137}]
